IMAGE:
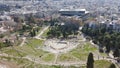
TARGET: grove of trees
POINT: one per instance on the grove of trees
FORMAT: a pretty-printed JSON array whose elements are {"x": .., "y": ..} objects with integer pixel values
[
  {"x": 104, "y": 37},
  {"x": 62, "y": 29}
]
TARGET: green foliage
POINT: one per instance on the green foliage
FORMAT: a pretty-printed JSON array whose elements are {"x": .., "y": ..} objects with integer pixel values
[
  {"x": 2, "y": 35},
  {"x": 63, "y": 29},
  {"x": 2, "y": 45},
  {"x": 48, "y": 57},
  {"x": 82, "y": 51},
  {"x": 90, "y": 61},
  {"x": 66, "y": 57},
  {"x": 116, "y": 53},
  {"x": 102, "y": 64},
  {"x": 103, "y": 36},
  {"x": 7, "y": 43},
  {"x": 112, "y": 66}
]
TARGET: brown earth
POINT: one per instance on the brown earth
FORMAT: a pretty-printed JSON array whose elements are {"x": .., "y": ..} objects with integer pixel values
[{"x": 6, "y": 64}]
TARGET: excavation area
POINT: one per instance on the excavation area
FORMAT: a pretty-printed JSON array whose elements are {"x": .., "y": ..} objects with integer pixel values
[{"x": 60, "y": 46}]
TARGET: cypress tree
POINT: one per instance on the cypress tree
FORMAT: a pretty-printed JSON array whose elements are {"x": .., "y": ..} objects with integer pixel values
[
  {"x": 112, "y": 66},
  {"x": 90, "y": 61}
]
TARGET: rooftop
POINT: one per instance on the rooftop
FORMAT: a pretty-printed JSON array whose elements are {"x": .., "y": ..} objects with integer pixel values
[{"x": 72, "y": 9}]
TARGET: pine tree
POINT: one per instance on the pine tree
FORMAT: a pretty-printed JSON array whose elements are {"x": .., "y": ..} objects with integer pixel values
[{"x": 116, "y": 53}]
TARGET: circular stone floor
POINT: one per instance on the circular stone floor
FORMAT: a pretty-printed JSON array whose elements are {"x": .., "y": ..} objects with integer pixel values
[{"x": 59, "y": 46}]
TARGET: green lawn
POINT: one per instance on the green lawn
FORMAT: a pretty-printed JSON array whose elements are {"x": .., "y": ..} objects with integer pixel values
[
  {"x": 102, "y": 64},
  {"x": 88, "y": 47},
  {"x": 19, "y": 61},
  {"x": 81, "y": 52},
  {"x": 80, "y": 55},
  {"x": 48, "y": 57},
  {"x": 32, "y": 48},
  {"x": 66, "y": 58},
  {"x": 24, "y": 63},
  {"x": 34, "y": 42},
  {"x": 12, "y": 51},
  {"x": 45, "y": 33}
]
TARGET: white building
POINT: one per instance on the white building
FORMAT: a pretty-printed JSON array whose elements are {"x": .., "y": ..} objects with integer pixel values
[{"x": 73, "y": 12}]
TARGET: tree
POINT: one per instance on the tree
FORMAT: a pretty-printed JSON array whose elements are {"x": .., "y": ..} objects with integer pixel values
[
  {"x": 116, "y": 53},
  {"x": 90, "y": 61},
  {"x": 23, "y": 27},
  {"x": 107, "y": 39},
  {"x": 112, "y": 66},
  {"x": 63, "y": 29},
  {"x": 34, "y": 32},
  {"x": 8, "y": 43},
  {"x": 31, "y": 34}
]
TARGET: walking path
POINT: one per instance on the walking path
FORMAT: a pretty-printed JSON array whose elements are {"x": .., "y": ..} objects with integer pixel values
[
  {"x": 41, "y": 33},
  {"x": 56, "y": 55},
  {"x": 81, "y": 63},
  {"x": 37, "y": 37},
  {"x": 23, "y": 42}
]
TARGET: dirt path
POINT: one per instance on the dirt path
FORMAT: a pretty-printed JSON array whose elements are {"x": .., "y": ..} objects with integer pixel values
[
  {"x": 6, "y": 64},
  {"x": 37, "y": 37},
  {"x": 45, "y": 63},
  {"x": 80, "y": 63},
  {"x": 56, "y": 57},
  {"x": 23, "y": 42},
  {"x": 40, "y": 34},
  {"x": 35, "y": 60}
]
